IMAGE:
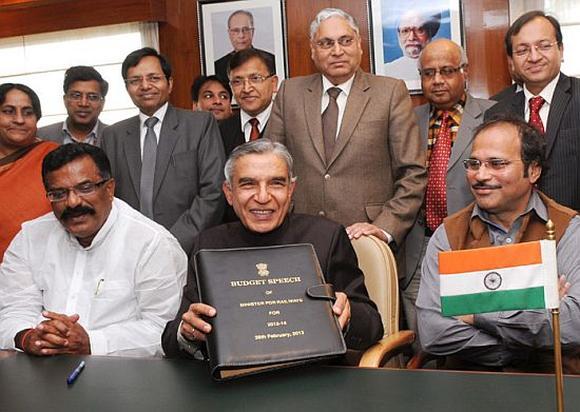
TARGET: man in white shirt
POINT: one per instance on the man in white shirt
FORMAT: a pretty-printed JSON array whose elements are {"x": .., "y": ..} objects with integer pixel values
[{"x": 93, "y": 277}]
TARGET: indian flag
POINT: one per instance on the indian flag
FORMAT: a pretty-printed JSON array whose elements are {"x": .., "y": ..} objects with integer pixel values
[{"x": 514, "y": 277}]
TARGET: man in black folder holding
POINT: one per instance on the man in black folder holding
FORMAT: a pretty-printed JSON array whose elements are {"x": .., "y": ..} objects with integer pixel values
[{"x": 259, "y": 185}]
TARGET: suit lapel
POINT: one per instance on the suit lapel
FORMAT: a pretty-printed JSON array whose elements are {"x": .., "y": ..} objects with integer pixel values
[
  {"x": 132, "y": 149},
  {"x": 167, "y": 140},
  {"x": 355, "y": 106},
  {"x": 559, "y": 103},
  {"x": 472, "y": 112},
  {"x": 312, "y": 99}
]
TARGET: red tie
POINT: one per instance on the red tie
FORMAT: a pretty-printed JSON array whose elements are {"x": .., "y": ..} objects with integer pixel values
[
  {"x": 436, "y": 198},
  {"x": 536, "y": 104},
  {"x": 255, "y": 132}
]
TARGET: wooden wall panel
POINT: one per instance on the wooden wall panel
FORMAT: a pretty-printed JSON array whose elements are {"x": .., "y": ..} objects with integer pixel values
[{"x": 484, "y": 25}]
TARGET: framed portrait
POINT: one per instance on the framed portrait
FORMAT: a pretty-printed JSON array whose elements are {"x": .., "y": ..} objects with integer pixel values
[
  {"x": 229, "y": 26},
  {"x": 401, "y": 29}
]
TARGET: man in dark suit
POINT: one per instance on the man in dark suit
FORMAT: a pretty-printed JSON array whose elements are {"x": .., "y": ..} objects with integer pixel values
[
  {"x": 166, "y": 162},
  {"x": 241, "y": 34},
  {"x": 550, "y": 101},
  {"x": 84, "y": 98},
  {"x": 353, "y": 136},
  {"x": 259, "y": 185},
  {"x": 253, "y": 78},
  {"x": 446, "y": 124}
]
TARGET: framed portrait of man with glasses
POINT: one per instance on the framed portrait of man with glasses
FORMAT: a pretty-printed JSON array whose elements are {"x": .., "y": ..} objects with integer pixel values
[
  {"x": 400, "y": 30},
  {"x": 226, "y": 27}
]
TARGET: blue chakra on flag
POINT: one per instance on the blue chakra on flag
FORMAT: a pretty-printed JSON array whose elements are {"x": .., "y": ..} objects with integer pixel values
[{"x": 492, "y": 280}]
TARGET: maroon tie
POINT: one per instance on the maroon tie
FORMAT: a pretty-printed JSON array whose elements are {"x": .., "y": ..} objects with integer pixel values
[
  {"x": 255, "y": 132},
  {"x": 436, "y": 198},
  {"x": 536, "y": 104}
]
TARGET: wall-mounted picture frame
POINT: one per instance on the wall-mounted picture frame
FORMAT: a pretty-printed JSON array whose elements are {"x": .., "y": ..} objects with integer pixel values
[
  {"x": 401, "y": 29},
  {"x": 228, "y": 26}
]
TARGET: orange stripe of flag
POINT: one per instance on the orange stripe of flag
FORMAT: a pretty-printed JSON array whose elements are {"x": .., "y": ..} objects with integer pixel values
[{"x": 496, "y": 257}]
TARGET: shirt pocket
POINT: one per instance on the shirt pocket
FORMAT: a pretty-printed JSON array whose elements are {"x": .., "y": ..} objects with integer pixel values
[{"x": 113, "y": 302}]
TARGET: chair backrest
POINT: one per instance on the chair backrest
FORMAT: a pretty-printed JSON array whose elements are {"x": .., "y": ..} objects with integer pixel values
[{"x": 378, "y": 264}]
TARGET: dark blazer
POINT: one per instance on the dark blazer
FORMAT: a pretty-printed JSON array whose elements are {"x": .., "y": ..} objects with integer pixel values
[
  {"x": 337, "y": 261},
  {"x": 505, "y": 93},
  {"x": 187, "y": 195},
  {"x": 561, "y": 179},
  {"x": 55, "y": 132},
  {"x": 221, "y": 64},
  {"x": 377, "y": 171}
]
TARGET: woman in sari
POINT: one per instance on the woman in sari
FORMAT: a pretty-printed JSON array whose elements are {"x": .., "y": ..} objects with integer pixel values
[{"x": 22, "y": 195}]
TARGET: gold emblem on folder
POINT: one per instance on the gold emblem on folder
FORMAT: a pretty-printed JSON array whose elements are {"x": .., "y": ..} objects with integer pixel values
[{"x": 262, "y": 269}]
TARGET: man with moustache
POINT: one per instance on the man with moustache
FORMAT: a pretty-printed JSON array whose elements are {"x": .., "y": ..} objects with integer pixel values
[
  {"x": 92, "y": 277},
  {"x": 446, "y": 124},
  {"x": 84, "y": 98},
  {"x": 549, "y": 100},
  {"x": 506, "y": 161}
]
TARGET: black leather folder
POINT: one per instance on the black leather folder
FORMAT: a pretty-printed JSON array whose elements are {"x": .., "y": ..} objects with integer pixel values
[{"x": 273, "y": 306}]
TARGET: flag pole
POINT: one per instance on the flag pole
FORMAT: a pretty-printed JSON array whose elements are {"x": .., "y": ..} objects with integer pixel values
[{"x": 551, "y": 235}]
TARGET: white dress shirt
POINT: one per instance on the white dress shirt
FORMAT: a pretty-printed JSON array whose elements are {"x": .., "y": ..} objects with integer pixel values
[
  {"x": 262, "y": 119},
  {"x": 125, "y": 286},
  {"x": 548, "y": 94}
]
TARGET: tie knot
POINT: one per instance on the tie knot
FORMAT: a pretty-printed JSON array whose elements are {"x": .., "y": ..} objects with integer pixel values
[
  {"x": 254, "y": 122},
  {"x": 151, "y": 122},
  {"x": 333, "y": 92},
  {"x": 536, "y": 103}
]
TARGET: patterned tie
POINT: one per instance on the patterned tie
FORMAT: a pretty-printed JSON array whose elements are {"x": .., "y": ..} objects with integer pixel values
[
  {"x": 330, "y": 122},
  {"x": 436, "y": 198},
  {"x": 148, "y": 168},
  {"x": 536, "y": 104},
  {"x": 255, "y": 132}
]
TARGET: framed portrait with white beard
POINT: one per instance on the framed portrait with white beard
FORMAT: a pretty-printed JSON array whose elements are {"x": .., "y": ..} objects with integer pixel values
[{"x": 400, "y": 30}]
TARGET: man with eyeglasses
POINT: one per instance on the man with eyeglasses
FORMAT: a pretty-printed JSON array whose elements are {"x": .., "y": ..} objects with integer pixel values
[
  {"x": 353, "y": 136},
  {"x": 241, "y": 35},
  {"x": 94, "y": 276},
  {"x": 84, "y": 98},
  {"x": 415, "y": 29},
  {"x": 167, "y": 162},
  {"x": 212, "y": 94},
  {"x": 505, "y": 163},
  {"x": 446, "y": 124},
  {"x": 550, "y": 100}
]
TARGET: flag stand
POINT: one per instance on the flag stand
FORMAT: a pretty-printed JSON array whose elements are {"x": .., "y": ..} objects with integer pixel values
[{"x": 551, "y": 235}]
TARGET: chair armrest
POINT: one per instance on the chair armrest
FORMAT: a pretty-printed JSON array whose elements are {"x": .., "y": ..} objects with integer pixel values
[{"x": 374, "y": 356}]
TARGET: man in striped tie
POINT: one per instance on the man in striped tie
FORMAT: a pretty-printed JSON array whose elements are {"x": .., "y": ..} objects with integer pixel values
[{"x": 506, "y": 161}]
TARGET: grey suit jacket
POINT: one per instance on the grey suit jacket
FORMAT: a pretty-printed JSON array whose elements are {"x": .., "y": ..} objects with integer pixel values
[
  {"x": 457, "y": 189},
  {"x": 561, "y": 179},
  {"x": 56, "y": 133},
  {"x": 377, "y": 172},
  {"x": 187, "y": 195}
]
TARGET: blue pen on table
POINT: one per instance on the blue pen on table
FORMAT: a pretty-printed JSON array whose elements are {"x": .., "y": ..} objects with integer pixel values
[{"x": 75, "y": 374}]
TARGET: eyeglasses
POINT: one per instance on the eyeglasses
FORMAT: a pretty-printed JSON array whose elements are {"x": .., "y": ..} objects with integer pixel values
[
  {"x": 326, "y": 43},
  {"x": 541, "y": 47},
  {"x": 473, "y": 165},
  {"x": 82, "y": 190},
  {"x": 152, "y": 78},
  {"x": 78, "y": 96},
  {"x": 446, "y": 72},
  {"x": 254, "y": 80},
  {"x": 241, "y": 30},
  {"x": 418, "y": 31}
]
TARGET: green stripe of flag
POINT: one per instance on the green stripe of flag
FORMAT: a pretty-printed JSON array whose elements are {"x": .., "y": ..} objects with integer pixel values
[{"x": 517, "y": 299}]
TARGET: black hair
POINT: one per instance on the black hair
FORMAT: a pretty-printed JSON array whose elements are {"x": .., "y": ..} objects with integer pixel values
[
  {"x": 525, "y": 19},
  {"x": 84, "y": 74},
  {"x": 201, "y": 80},
  {"x": 34, "y": 100},
  {"x": 135, "y": 57},
  {"x": 242, "y": 56}
]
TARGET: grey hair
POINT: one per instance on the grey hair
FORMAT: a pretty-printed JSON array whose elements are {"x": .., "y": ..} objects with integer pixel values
[
  {"x": 328, "y": 13},
  {"x": 246, "y": 12},
  {"x": 463, "y": 59},
  {"x": 260, "y": 146}
]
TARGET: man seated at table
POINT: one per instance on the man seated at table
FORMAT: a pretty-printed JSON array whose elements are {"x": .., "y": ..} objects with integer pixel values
[
  {"x": 259, "y": 185},
  {"x": 92, "y": 277},
  {"x": 506, "y": 161}
]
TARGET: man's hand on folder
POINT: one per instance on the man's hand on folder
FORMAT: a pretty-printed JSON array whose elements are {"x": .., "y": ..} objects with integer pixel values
[
  {"x": 342, "y": 309},
  {"x": 194, "y": 327}
]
